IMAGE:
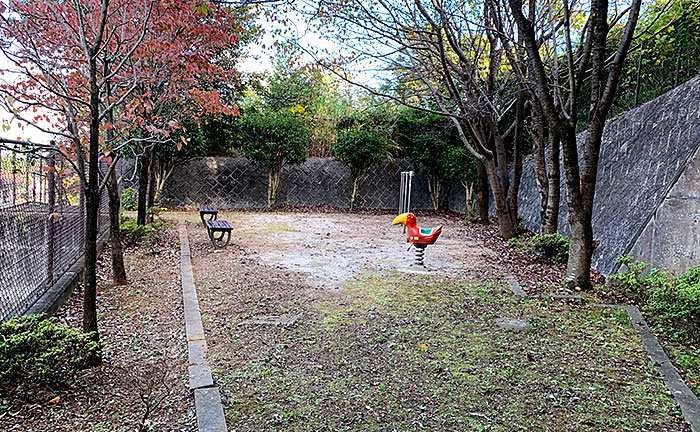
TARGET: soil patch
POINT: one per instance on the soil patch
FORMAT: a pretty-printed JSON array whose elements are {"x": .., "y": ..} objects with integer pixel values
[{"x": 145, "y": 358}]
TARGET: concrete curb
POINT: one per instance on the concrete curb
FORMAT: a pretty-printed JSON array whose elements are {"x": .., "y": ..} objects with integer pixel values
[
  {"x": 684, "y": 397},
  {"x": 57, "y": 295},
  {"x": 207, "y": 400}
]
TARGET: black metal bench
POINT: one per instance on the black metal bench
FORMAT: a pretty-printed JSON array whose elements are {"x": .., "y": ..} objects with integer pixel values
[
  {"x": 218, "y": 229},
  {"x": 212, "y": 212}
]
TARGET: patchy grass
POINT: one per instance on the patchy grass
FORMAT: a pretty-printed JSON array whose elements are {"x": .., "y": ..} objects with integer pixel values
[
  {"x": 687, "y": 360},
  {"x": 396, "y": 351}
]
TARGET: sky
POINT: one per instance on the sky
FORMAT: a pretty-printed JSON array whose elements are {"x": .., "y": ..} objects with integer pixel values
[
  {"x": 258, "y": 59},
  {"x": 27, "y": 133}
]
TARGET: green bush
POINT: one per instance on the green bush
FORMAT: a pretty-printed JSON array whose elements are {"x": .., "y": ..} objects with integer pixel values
[
  {"x": 553, "y": 246},
  {"x": 674, "y": 303},
  {"x": 273, "y": 139},
  {"x": 133, "y": 233},
  {"x": 677, "y": 303},
  {"x": 360, "y": 150},
  {"x": 34, "y": 350},
  {"x": 129, "y": 199},
  {"x": 636, "y": 283}
]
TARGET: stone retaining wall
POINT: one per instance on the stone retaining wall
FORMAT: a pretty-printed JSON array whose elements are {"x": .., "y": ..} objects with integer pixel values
[{"x": 643, "y": 155}]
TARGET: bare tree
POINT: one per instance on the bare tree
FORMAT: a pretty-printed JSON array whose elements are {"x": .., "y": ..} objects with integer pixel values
[
  {"x": 444, "y": 57},
  {"x": 557, "y": 90}
]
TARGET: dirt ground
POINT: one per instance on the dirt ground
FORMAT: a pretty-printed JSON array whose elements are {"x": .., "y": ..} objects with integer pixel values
[
  {"x": 370, "y": 345},
  {"x": 144, "y": 357}
]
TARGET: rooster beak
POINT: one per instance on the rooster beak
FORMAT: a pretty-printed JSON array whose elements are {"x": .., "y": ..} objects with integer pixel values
[{"x": 400, "y": 219}]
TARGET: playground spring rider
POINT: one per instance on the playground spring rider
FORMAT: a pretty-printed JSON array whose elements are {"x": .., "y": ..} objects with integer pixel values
[{"x": 420, "y": 237}]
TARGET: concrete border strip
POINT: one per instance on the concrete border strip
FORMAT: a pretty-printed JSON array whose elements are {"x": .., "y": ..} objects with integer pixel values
[
  {"x": 207, "y": 399},
  {"x": 684, "y": 397}
]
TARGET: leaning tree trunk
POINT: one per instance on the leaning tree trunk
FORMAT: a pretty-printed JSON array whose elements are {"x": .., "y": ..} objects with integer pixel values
[
  {"x": 481, "y": 194},
  {"x": 118, "y": 270},
  {"x": 142, "y": 197},
  {"x": 273, "y": 182},
  {"x": 434, "y": 186}
]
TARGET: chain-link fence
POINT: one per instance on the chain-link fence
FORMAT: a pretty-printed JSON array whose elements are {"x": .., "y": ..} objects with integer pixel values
[{"x": 42, "y": 226}]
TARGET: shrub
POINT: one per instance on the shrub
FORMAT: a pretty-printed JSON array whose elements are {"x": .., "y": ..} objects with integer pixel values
[
  {"x": 132, "y": 233},
  {"x": 553, "y": 246},
  {"x": 636, "y": 283},
  {"x": 671, "y": 302},
  {"x": 360, "y": 150},
  {"x": 129, "y": 199},
  {"x": 34, "y": 350},
  {"x": 274, "y": 139},
  {"x": 677, "y": 303}
]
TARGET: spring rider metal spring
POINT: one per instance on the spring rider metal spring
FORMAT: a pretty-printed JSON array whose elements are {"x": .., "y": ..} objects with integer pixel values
[{"x": 420, "y": 252}]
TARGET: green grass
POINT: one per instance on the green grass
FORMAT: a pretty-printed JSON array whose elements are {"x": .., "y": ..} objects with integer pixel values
[{"x": 413, "y": 352}]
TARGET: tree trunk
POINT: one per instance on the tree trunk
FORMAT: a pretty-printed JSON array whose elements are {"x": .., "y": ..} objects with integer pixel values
[
  {"x": 164, "y": 172},
  {"x": 353, "y": 196},
  {"x": 469, "y": 197},
  {"x": 578, "y": 275},
  {"x": 540, "y": 164},
  {"x": 272, "y": 184},
  {"x": 92, "y": 195},
  {"x": 507, "y": 226},
  {"x": 142, "y": 198},
  {"x": 445, "y": 203},
  {"x": 481, "y": 194},
  {"x": 550, "y": 223},
  {"x": 581, "y": 237},
  {"x": 434, "y": 186},
  {"x": 514, "y": 184},
  {"x": 92, "y": 203},
  {"x": 152, "y": 175},
  {"x": 118, "y": 270}
]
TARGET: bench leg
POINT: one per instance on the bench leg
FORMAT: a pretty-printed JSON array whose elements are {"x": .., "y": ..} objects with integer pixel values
[
  {"x": 218, "y": 240},
  {"x": 212, "y": 216}
]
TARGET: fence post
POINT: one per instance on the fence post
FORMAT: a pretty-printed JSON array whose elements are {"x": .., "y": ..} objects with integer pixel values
[
  {"x": 405, "y": 193},
  {"x": 14, "y": 174},
  {"x": 52, "y": 204}
]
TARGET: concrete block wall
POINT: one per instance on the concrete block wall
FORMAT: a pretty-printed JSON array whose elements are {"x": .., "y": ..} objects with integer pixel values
[{"x": 228, "y": 182}]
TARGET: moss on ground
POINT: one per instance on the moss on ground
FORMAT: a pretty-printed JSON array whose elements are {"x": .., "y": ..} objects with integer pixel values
[{"x": 410, "y": 352}]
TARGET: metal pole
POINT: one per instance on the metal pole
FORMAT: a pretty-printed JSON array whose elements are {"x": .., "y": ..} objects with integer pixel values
[
  {"x": 410, "y": 184},
  {"x": 14, "y": 184},
  {"x": 52, "y": 228}
]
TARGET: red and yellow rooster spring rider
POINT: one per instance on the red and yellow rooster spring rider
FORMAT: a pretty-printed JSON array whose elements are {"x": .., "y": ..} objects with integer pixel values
[{"x": 420, "y": 237}]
